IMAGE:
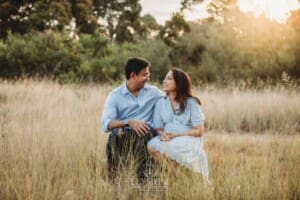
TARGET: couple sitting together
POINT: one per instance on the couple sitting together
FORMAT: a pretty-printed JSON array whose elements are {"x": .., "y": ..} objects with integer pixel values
[{"x": 147, "y": 125}]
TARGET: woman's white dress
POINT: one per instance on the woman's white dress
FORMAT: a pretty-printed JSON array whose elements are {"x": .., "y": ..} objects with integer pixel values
[{"x": 186, "y": 150}]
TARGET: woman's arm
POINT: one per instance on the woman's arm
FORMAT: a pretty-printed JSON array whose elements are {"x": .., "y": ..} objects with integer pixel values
[
  {"x": 159, "y": 131},
  {"x": 197, "y": 118},
  {"x": 197, "y": 131},
  {"x": 163, "y": 136}
]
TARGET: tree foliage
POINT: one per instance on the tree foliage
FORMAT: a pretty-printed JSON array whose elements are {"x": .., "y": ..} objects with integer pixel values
[
  {"x": 294, "y": 22},
  {"x": 27, "y": 15},
  {"x": 121, "y": 20},
  {"x": 229, "y": 45},
  {"x": 174, "y": 29}
]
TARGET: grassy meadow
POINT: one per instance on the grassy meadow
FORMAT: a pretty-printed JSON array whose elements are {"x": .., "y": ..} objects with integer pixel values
[{"x": 52, "y": 145}]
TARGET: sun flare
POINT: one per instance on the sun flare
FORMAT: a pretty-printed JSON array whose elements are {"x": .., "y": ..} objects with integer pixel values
[{"x": 278, "y": 10}]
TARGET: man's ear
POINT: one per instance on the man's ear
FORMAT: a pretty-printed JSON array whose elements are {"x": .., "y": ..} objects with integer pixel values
[{"x": 132, "y": 75}]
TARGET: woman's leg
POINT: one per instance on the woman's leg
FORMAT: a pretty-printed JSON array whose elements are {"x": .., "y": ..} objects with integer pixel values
[
  {"x": 161, "y": 159},
  {"x": 153, "y": 154}
]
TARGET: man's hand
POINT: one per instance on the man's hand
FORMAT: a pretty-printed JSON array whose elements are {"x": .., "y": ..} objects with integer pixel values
[{"x": 139, "y": 126}]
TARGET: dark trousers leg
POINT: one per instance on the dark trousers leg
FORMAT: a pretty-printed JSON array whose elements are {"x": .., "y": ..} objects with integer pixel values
[
  {"x": 111, "y": 160},
  {"x": 125, "y": 146}
]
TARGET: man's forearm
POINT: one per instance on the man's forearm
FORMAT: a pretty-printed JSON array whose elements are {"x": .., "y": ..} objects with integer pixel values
[{"x": 116, "y": 124}]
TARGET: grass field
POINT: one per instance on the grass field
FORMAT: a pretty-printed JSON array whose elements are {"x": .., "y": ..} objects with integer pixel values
[{"x": 52, "y": 146}]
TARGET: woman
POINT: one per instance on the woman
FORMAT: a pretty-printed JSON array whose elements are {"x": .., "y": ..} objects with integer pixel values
[{"x": 179, "y": 121}]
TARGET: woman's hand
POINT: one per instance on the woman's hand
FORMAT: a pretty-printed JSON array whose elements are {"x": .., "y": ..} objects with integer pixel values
[
  {"x": 171, "y": 135},
  {"x": 167, "y": 136},
  {"x": 164, "y": 137}
]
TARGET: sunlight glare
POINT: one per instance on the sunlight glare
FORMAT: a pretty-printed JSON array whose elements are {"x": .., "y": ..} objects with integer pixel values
[{"x": 278, "y": 10}]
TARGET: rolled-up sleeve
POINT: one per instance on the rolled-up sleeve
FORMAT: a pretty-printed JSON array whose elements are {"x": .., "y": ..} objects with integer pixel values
[
  {"x": 109, "y": 111},
  {"x": 157, "y": 119},
  {"x": 197, "y": 116}
]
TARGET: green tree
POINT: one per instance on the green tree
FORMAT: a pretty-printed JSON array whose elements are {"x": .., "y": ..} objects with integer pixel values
[
  {"x": 45, "y": 54},
  {"x": 86, "y": 19},
  {"x": 121, "y": 19},
  {"x": 186, "y": 4},
  {"x": 218, "y": 9},
  {"x": 27, "y": 15},
  {"x": 174, "y": 29},
  {"x": 294, "y": 22},
  {"x": 150, "y": 27},
  {"x": 235, "y": 45},
  {"x": 222, "y": 10}
]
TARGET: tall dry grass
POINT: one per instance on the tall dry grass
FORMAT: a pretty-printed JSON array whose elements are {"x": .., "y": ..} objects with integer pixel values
[
  {"x": 52, "y": 146},
  {"x": 276, "y": 110}
]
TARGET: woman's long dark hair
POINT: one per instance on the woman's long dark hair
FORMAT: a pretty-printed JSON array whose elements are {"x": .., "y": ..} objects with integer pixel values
[{"x": 183, "y": 84}]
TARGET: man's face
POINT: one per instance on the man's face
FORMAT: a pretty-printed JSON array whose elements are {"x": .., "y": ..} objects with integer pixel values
[{"x": 142, "y": 77}]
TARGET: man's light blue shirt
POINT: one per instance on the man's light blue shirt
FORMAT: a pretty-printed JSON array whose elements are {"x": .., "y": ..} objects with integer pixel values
[{"x": 121, "y": 104}]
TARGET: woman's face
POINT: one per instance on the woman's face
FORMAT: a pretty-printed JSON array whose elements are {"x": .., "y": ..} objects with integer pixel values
[{"x": 169, "y": 83}]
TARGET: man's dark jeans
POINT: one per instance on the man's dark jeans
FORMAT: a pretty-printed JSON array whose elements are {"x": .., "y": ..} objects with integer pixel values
[{"x": 124, "y": 146}]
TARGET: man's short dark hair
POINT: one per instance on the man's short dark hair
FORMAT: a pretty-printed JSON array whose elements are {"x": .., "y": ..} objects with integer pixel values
[{"x": 135, "y": 65}]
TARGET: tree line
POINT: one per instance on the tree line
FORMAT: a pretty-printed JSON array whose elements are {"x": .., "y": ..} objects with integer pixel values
[{"x": 89, "y": 40}]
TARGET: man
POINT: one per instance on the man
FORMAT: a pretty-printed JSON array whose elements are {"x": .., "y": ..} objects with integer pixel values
[{"x": 128, "y": 113}]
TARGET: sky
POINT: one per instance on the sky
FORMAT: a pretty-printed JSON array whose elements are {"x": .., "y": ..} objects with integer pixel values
[
  {"x": 162, "y": 9},
  {"x": 274, "y": 9},
  {"x": 278, "y": 10}
]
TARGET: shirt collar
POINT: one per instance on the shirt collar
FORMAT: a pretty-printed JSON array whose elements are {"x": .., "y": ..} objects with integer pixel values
[
  {"x": 126, "y": 91},
  {"x": 177, "y": 109}
]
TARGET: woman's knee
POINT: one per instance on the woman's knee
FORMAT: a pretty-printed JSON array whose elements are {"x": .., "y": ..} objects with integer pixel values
[{"x": 150, "y": 149}]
